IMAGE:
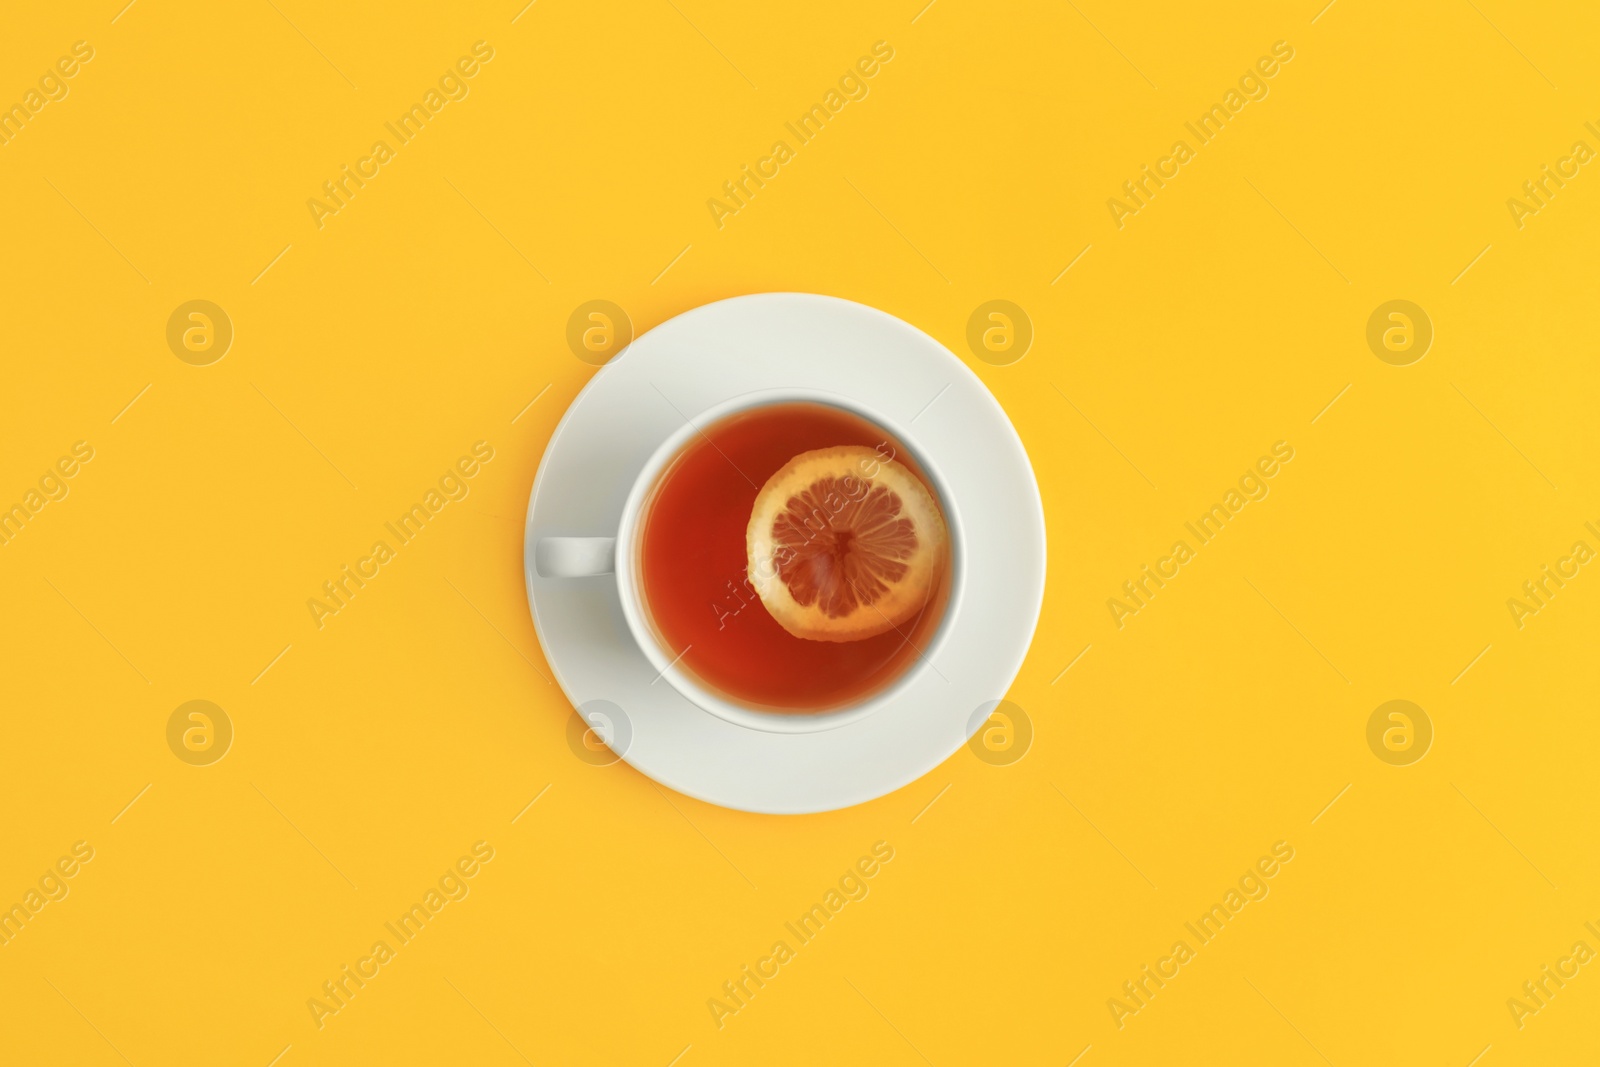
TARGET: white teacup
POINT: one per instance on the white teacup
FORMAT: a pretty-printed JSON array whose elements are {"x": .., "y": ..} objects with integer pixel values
[{"x": 582, "y": 557}]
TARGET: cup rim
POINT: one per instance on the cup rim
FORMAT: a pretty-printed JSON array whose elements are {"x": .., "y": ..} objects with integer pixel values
[{"x": 637, "y": 616}]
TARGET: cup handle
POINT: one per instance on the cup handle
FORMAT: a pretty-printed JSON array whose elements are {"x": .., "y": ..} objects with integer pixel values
[{"x": 574, "y": 557}]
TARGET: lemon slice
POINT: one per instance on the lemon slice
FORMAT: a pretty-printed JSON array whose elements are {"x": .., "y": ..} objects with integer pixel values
[{"x": 844, "y": 544}]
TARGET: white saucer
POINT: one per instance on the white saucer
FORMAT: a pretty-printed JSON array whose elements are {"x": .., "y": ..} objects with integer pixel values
[{"x": 771, "y": 341}]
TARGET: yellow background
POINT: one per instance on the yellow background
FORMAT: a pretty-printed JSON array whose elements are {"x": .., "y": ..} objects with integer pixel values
[{"x": 1224, "y": 317}]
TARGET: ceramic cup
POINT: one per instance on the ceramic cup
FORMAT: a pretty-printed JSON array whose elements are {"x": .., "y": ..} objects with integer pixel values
[{"x": 616, "y": 556}]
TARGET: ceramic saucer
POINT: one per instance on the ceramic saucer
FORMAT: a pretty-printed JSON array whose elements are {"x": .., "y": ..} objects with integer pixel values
[{"x": 704, "y": 358}]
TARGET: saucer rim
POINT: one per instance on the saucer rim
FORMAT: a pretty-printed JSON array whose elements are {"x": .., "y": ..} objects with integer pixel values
[{"x": 830, "y": 794}]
